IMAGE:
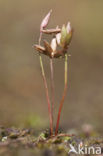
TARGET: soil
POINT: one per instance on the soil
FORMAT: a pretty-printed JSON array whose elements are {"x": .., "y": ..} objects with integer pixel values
[{"x": 25, "y": 142}]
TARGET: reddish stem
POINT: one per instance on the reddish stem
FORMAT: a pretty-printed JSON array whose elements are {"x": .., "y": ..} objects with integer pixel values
[
  {"x": 60, "y": 109},
  {"x": 46, "y": 90},
  {"x": 49, "y": 107},
  {"x": 63, "y": 96}
]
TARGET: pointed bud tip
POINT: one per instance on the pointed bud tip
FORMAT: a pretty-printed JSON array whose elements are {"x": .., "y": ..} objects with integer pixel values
[
  {"x": 51, "y": 11},
  {"x": 68, "y": 27},
  {"x": 57, "y": 27}
]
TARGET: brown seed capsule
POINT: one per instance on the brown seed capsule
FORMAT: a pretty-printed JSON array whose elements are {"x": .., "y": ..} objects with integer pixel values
[
  {"x": 39, "y": 48},
  {"x": 51, "y": 31}
]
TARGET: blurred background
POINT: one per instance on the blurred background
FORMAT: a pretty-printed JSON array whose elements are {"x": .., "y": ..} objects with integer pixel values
[{"x": 22, "y": 94}]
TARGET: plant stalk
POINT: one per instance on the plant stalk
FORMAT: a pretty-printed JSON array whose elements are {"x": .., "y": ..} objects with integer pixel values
[
  {"x": 64, "y": 94},
  {"x": 46, "y": 89},
  {"x": 52, "y": 88}
]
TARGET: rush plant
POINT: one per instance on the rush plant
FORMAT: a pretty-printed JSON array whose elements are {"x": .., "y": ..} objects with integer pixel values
[{"x": 60, "y": 41}]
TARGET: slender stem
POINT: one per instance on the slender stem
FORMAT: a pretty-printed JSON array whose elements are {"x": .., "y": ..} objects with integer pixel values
[
  {"x": 52, "y": 88},
  {"x": 63, "y": 96},
  {"x": 47, "y": 95},
  {"x": 46, "y": 89},
  {"x": 40, "y": 37}
]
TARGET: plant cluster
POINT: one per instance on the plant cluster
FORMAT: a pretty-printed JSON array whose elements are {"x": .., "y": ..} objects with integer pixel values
[{"x": 61, "y": 38}]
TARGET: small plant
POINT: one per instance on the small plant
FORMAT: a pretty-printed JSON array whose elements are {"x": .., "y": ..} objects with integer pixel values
[{"x": 61, "y": 38}]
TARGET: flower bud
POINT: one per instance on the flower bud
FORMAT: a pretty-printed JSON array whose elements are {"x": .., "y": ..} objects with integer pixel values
[
  {"x": 66, "y": 35},
  {"x": 45, "y": 21},
  {"x": 53, "y": 44}
]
